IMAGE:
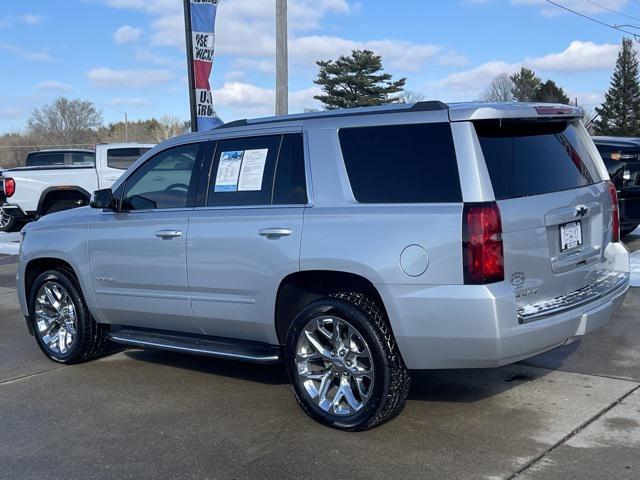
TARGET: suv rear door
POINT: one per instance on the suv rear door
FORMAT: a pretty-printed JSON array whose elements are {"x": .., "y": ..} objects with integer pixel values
[{"x": 555, "y": 205}]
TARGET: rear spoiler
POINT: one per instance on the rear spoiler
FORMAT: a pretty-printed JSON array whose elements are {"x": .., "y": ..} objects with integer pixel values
[{"x": 489, "y": 111}]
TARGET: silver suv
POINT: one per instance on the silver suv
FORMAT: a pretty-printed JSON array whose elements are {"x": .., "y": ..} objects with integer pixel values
[{"x": 354, "y": 246}]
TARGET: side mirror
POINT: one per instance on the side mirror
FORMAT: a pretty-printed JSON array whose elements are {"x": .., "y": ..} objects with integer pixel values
[{"x": 103, "y": 199}]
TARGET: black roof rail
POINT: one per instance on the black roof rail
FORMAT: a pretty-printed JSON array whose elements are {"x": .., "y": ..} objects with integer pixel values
[{"x": 428, "y": 106}]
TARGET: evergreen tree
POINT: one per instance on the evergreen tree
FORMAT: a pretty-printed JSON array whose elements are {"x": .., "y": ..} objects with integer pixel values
[
  {"x": 549, "y": 92},
  {"x": 620, "y": 112},
  {"x": 356, "y": 81},
  {"x": 525, "y": 85}
]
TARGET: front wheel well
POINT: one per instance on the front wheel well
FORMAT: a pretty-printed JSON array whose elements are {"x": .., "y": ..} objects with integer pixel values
[
  {"x": 38, "y": 266},
  {"x": 301, "y": 288}
]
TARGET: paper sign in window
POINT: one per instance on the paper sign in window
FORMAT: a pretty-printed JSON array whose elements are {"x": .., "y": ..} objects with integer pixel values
[
  {"x": 229, "y": 171},
  {"x": 252, "y": 170}
]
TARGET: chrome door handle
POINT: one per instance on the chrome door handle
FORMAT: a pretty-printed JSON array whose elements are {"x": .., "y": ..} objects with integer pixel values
[
  {"x": 168, "y": 234},
  {"x": 275, "y": 233}
]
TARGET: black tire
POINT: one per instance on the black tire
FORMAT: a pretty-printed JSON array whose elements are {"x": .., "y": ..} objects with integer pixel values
[
  {"x": 60, "y": 206},
  {"x": 391, "y": 377},
  {"x": 90, "y": 336},
  {"x": 7, "y": 222}
]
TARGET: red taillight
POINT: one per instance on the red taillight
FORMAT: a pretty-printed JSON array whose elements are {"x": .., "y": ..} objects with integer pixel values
[
  {"x": 615, "y": 212},
  {"x": 482, "y": 249},
  {"x": 9, "y": 187}
]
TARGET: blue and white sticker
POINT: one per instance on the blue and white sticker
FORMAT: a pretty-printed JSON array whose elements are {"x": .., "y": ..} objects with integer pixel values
[{"x": 229, "y": 171}]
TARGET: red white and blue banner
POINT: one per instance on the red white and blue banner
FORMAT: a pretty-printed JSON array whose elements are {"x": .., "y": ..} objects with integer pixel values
[{"x": 200, "y": 16}]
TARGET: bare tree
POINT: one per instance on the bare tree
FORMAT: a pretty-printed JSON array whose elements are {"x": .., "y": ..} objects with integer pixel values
[
  {"x": 410, "y": 97},
  {"x": 168, "y": 127},
  {"x": 499, "y": 90},
  {"x": 65, "y": 122}
]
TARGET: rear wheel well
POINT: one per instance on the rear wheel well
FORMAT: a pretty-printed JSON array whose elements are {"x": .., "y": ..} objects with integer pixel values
[
  {"x": 300, "y": 289},
  {"x": 56, "y": 196},
  {"x": 37, "y": 267}
]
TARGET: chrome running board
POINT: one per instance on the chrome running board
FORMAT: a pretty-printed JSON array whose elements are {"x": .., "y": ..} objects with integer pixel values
[{"x": 225, "y": 348}]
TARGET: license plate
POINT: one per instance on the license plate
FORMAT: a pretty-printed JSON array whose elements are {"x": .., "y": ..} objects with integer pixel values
[{"x": 570, "y": 236}]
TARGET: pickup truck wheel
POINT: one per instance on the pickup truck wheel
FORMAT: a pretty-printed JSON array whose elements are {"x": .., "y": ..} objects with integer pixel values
[
  {"x": 61, "y": 321},
  {"x": 7, "y": 222},
  {"x": 344, "y": 364}
]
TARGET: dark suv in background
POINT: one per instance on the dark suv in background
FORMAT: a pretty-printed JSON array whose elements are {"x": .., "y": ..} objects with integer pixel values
[{"x": 622, "y": 158}]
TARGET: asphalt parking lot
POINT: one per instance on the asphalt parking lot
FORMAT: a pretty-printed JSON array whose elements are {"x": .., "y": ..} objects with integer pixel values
[{"x": 571, "y": 413}]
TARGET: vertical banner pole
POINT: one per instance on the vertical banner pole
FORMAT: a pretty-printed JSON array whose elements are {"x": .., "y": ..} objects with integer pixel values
[
  {"x": 200, "y": 22},
  {"x": 282, "y": 59},
  {"x": 191, "y": 77}
]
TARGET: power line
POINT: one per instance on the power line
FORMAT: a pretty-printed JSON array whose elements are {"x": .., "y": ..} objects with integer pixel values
[
  {"x": 617, "y": 12},
  {"x": 604, "y": 24}
]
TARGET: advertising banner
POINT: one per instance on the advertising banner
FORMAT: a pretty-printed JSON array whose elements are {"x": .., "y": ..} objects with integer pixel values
[{"x": 200, "y": 18}]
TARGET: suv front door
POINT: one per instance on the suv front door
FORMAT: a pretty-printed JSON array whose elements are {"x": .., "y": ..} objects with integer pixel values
[
  {"x": 138, "y": 253},
  {"x": 247, "y": 236}
]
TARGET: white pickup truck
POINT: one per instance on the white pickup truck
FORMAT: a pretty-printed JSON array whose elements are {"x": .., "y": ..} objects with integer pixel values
[{"x": 33, "y": 191}]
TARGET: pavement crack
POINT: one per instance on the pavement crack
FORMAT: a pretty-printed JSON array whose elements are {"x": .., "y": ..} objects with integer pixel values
[
  {"x": 28, "y": 375},
  {"x": 572, "y": 434}
]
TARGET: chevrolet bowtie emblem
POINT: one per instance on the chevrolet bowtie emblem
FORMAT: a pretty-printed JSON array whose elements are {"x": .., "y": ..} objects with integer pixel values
[{"x": 581, "y": 211}]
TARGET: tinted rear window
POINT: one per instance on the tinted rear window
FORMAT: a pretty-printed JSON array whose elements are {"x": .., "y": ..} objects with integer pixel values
[
  {"x": 534, "y": 158},
  {"x": 45, "y": 159},
  {"x": 402, "y": 163},
  {"x": 123, "y": 158}
]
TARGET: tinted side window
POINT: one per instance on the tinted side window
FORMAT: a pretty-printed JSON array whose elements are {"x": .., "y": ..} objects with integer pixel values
[
  {"x": 82, "y": 158},
  {"x": 242, "y": 171},
  {"x": 123, "y": 158},
  {"x": 290, "y": 186},
  {"x": 164, "y": 181},
  {"x": 534, "y": 158},
  {"x": 45, "y": 159},
  {"x": 402, "y": 164}
]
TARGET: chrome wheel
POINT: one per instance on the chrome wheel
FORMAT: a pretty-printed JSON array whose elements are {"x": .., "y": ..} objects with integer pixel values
[
  {"x": 335, "y": 366},
  {"x": 5, "y": 219},
  {"x": 56, "y": 318}
]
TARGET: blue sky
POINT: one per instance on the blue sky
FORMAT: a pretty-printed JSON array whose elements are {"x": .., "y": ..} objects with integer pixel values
[{"x": 128, "y": 55}]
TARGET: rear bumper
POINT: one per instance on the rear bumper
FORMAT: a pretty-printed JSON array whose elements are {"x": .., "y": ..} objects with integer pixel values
[{"x": 466, "y": 326}]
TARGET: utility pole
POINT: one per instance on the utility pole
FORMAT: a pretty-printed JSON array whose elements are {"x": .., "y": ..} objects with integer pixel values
[
  {"x": 282, "y": 59},
  {"x": 126, "y": 128}
]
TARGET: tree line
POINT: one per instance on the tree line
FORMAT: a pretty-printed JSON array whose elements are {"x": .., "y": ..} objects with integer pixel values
[{"x": 78, "y": 123}]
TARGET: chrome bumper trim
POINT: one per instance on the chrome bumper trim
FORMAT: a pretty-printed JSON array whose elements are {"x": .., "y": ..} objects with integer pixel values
[{"x": 590, "y": 293}]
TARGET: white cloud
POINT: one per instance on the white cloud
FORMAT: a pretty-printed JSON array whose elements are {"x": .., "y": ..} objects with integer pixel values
[
  {"x": 576, "y": 58},
  {"x": 41, "y": 55},
  {"x": 407, "y": 56},
  {"x": 52, "y": 86},
  {"x": 140, "y": 78},
  {"x": 248, "y": 32},
  {"x": 134, "y": 102},
  {"x": 579, "y": 56},
  {"x": 248, "y": 100},
  {"x": 127, "y": 34},
  {"x": 26, "y": 19},
  {"x": 467, "y": 84}
]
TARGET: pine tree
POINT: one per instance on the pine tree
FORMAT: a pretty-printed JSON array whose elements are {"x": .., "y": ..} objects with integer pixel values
[
  {"x": 549, "y": 92},
  {"x": 620, "y": 113},
  {"x": 356, "y": 81},
  {"x": 525, "y": 85}
]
